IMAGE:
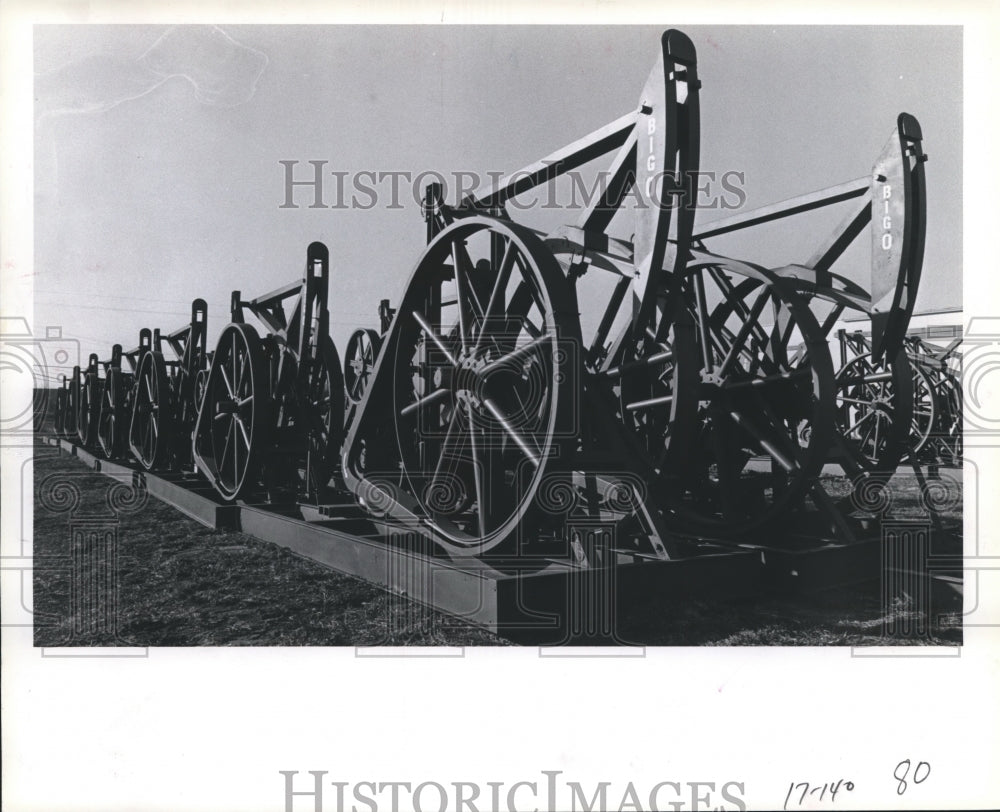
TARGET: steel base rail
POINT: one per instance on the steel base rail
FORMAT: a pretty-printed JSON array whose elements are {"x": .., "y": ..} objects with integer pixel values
[{"x": 549, "y": 598}]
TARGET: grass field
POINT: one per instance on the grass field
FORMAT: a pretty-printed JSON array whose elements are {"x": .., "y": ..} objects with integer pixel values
[{"x": 180, "y": 584}]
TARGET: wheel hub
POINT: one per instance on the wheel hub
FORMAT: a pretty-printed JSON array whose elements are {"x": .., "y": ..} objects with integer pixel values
[
  {"x": 468, "y": 380},
  {"x": 227, "y": 406}
]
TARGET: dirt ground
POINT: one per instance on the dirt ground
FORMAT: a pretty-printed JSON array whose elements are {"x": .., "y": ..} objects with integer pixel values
[{"x": 173, "y": 582}]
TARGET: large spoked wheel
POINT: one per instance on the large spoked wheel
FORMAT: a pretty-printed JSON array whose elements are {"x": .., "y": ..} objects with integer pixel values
[
  {"x": 150, "y": 427},
  {"x": 228, "y": 438},
  {"x": 765, "y": 414},
  {"x": 200, "y": 384},
  {"x": 111, "y": 432},
  {"x": 657, "y": 384},
  {"x": 359, "y": 361},
  {"x": 949, "y": 395},
  {"x": 484, "y": 370},
  {"x": 926, "y": 413},
  {"x": 874, "y": 413},
  {"x": 89, "y": 410}
]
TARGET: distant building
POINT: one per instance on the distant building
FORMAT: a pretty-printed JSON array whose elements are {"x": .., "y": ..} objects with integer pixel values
[{"x": 937, "y": 326}]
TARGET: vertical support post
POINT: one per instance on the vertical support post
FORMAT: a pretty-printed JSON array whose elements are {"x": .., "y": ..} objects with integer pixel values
[
  {"x": 73, "y": 408},
  {"x": 433, "y": 198},
  {"x": 385, "y": 315},
  {"x": 236, "y": 307},
  {"x": 197, "y": 337},
  {"x": 145, "y": 345},
  {"x": 313, "y": 326}
]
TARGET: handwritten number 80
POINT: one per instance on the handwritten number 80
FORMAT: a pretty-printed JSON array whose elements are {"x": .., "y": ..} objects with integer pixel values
[{"x": 920, "y": 773}]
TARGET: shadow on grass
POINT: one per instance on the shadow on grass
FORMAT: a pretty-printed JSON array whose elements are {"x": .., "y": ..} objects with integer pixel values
[{"x": 177, "y": 583}]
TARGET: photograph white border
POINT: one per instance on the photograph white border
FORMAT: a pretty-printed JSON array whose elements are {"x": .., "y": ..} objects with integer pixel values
[{"x": 211, "y": 729}]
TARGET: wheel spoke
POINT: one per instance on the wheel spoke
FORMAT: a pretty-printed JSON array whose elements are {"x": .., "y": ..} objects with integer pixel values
[
  {"x": 470, "y": 309},
  {"x": 526, "y": 448},
  {"x": 499, "y": 290},
  {"x": 858, "y": 401},
  {"x": 244, "y": 366},
  {"x": 516, "y": 319},
  {"x": 223, "y": 372},
  {"x": 477, "y": 474},
  {"x": 470, "y": 296},
  {"x": 224, "y": 456},
  {"x": 236, "y": 454},
  {"x": 748, "y": 425},
  {"x": 232, "y": 360},
  {"x": 243, "y": 431},
  {"x": 449, "y": 450},
  {"x": 854, "y": 427},
  {"x": 434, "y": 337},
  {"x": 869, "y": 432},
  {"x": 461, "y": 297},
  {"x": 435, "y": 397},
  {"x": 518, "y": 354},
  {"x": 649, "y": 403}
]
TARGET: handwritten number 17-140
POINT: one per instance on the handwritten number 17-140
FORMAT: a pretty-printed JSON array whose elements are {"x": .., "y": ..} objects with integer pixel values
[{"x": 821, "y": 792}]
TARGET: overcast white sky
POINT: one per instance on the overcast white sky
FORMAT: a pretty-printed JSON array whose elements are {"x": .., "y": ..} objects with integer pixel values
[{"x": 157, "y": 151}]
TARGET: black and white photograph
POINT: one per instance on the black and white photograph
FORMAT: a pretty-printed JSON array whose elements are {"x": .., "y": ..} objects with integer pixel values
[{"x": 634, "y": 375}]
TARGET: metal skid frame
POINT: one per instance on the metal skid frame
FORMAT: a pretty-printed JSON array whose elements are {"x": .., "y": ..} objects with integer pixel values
[
  {"x": 165, "y": 394},
  {"x": 270, "y": 421}
]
